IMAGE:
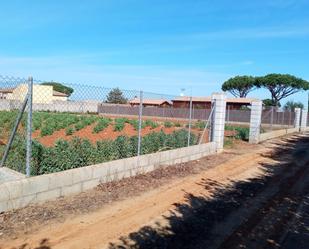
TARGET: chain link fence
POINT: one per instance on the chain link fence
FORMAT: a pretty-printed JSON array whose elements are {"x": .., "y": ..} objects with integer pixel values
[
  {"x": 13, "y": 123},
  {"x": 78, "y": 125},
  {"x": 274, "y": 119}
]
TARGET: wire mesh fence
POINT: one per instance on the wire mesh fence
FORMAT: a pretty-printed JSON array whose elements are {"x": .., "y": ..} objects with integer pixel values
[
  {"x": 273, "y": 119},
  {"x": 13, "y": 120},
  {"x": 79, "y": 125}
]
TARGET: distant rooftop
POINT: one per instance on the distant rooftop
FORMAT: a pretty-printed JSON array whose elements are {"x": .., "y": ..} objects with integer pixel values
[
  {"x": 149, "y": 101},
  {"x": 208, "y": 99}
]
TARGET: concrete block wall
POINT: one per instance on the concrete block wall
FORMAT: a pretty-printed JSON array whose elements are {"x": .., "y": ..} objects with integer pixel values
[
  {"x": 277, "y": 133},
  {"x": 67, "y": 106},
  {"x": 218, "y": 120},
  {"x": 7, "y": 174},
  {"x": 303, "y": 121},
  {"x": 57, "y": 106},
  {"x": 297, "y": 117},
  {"x": 255, "y": 121},
  {"x": 20, "y": 193}
]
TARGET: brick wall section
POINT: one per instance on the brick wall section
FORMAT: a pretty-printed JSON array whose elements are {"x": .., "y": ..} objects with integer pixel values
[{"x": 19, "y": 193}]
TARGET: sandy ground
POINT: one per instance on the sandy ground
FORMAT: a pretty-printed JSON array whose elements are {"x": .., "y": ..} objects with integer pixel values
[{"x": 248, "y": 201}]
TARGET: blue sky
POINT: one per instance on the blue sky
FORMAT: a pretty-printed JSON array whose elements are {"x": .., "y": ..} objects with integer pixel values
[{"x": 158, "y": 46}]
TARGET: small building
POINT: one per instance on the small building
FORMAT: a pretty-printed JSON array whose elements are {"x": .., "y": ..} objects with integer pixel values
[
  {"x": 197, "y": 102},
  {"x": 205, "y": 102},
  {"x": 42, "y": 94},
  {"x": 4, "y": 92},
  {"x": 150, "y": 102}
]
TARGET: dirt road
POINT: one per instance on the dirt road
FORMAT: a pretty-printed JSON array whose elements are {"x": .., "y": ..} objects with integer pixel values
[{"x": 254, "y": 200}]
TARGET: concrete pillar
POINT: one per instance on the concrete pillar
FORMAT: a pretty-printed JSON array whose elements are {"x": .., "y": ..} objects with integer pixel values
[
  {"x": 303, "y": 122},
  {"x": 218, "y": 119},
  {"x": 255, "y": 122},
  {"x": 297, "y": 117}
]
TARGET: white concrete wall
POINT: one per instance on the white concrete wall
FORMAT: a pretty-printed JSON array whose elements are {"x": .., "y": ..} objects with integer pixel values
[
  {"x": 19, "y": 193},
  {"x": 255, "y": 121},
  {"x": 218, "y": 120},
  {"x": 297, "y": 117},
  {"x": 60, "y": 98},
  {"x": 303, "y": 122},
  {"x": 57, "y": 106},
  {"x": 7, "y": 175},
  {"x": 277, "y": 133}
]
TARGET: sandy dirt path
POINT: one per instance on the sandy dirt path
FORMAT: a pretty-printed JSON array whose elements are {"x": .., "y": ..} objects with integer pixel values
[{"x": 103, "y": 228}]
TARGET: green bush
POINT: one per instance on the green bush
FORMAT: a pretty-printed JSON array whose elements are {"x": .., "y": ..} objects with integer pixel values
[{"x": 242, "y": 133}]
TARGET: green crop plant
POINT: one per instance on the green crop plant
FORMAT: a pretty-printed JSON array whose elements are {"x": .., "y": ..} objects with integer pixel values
[
  {"x": 47, "y": 130},
  {"x": 177, "y": 124},
  {"x": 151, "y": 123},
  {"x": 69, "y": 131},
  {"x": 119, "y": 123},
  {"x": 168, "y": 124},
  {"x": 81, "y": 152},
  {"x": 242, "y": 133},
  {"x": 101, "y": 125},
  {"x": 200, "y": 125}
]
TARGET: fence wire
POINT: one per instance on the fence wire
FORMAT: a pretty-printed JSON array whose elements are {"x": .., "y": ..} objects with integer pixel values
[
  {"x": 78, "y": 125},
  {"x": 10, "y": 111},
  {"x": 273, "y": 119}
]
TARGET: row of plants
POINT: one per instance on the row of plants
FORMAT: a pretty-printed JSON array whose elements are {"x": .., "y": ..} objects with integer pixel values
[
  {"x": 81, "y": 152},
  {"x": 102, "y": 124}
]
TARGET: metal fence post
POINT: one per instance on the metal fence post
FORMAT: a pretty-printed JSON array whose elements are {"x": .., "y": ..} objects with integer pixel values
[
  {"x": 140, "y": 115},
  {"x": 29, "y": 126},
  {"x": 190, "y": 122}
]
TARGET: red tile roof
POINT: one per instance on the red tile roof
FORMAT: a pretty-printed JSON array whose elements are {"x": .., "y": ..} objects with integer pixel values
[{"x": 149, "y": 101}]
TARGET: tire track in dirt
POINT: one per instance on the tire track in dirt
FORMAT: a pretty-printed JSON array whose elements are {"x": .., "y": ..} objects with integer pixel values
[
  {"x": 98, "y": 229},
  {"x": 265, "y": 227},
  {"x": 153, "y": 209}
]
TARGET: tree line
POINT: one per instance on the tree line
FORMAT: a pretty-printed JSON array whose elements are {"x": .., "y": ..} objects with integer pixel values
[{"x": 280, "y": 86}]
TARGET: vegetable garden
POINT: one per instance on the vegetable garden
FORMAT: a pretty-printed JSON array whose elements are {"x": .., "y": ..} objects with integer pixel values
[{"x": 64, "y": 140}]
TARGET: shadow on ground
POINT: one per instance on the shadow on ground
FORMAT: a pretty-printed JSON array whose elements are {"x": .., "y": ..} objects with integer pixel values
[
  {"x": 44, "y": 244},
  {"x": 194, "y": 223}
]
